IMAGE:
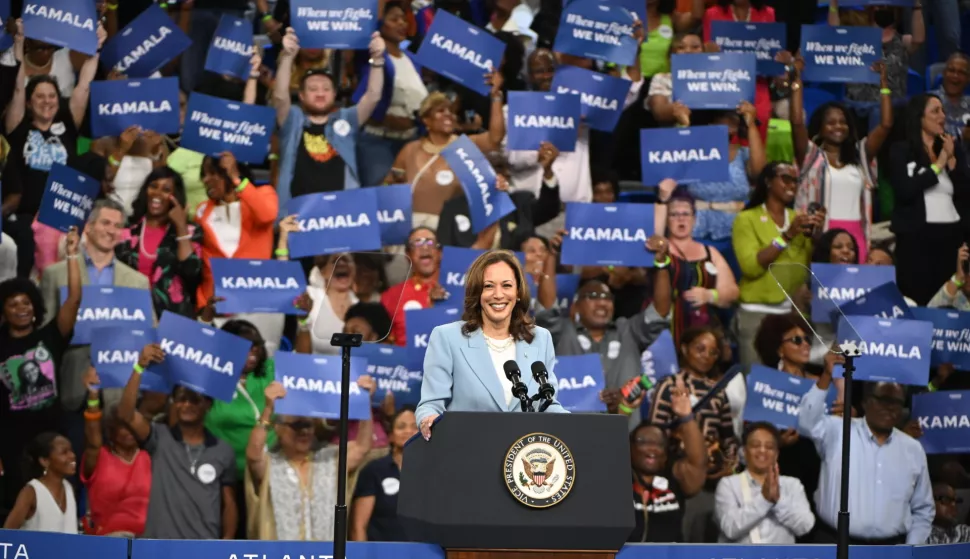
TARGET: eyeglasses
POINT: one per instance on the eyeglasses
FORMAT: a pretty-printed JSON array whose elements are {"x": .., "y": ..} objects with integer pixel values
[
  {"x": 188, "y": 398},
  {"x": 788, "y": 179},
  {"x": 597, "y": 295},
  {"x": 423, "y": 242},
  {"x": 798, "y": 340},
  {"x": 680, "y": 215},
  {"x": 298, "y": 425},
  {"x": 641, "y": 441},
  {"x": 889, "y": 401},
  {"x": 948, "y": 500}
]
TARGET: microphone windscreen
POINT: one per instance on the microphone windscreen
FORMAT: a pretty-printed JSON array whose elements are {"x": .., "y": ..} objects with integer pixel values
[
  {"x": 539, "y": 368},
  {"x": 511, "y": 368}
]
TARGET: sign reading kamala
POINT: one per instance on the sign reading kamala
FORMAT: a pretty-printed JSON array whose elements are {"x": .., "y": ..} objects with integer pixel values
[
  {"x": 714, "y": 81},
  {"x": 659, "y": 361},
  {"x": 68, "y": 198},
  {"x": 884, "y": 301},
  {"x": 214, "y": 125},
  {"x": 486, "y": 204},
  {"x": 420, "y": 322},
  {"x": 892, "y": 350},
  {"x": 951, "y": 336},
  {"x": 607, "y": 235},
  {"x": 6, "y": 39},
  {"x": 200, "y": 357},
  {"x": 334, "y": 24},
  {"x": 566, "y": 287},
  {"x": 395, "y": 370},
  {"x": 460, "y": 51},
  {"x": 312, "y": 384},
  {"x": 580, "y": 383},
  {"x": 764, "y": 40},
  {"x": 258, "y": 286},
  {"x": 335, "y": 222},
  {"x": 945, "y": 420},
  {"x": 834, "y": 285},
  {"x": 536, "y": 117},
  {"x": 119, "y": 104},
  {"x": 114, "y": 352},
  {"x": 231, "y": 48},
  {"x": 147, "y": 44},
  {"x": 63, "y": 23},
  {"x": 775, "y": 396},
  {"x": 394, "y": 213},
  {"x": 695, "y": 154},
  {"x": 601, "y": 95},
  {"x": 103, "y": 306},
  {"x": 840, "y": 54},
  {"x": 597, "y": 30}
]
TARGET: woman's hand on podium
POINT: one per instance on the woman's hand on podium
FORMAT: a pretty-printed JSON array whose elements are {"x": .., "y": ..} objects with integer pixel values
[{"x": 426, "y": 424}]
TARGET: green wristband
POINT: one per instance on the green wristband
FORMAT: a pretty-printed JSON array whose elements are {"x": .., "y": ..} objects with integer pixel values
[
  {"x": 138, "y": 369},
  {"x": 94, "y": 403}
]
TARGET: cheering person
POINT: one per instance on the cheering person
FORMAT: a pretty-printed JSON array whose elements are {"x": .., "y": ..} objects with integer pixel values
[
  {"x": 495, "y": 328},
  {"x": 47, "y": 503}
]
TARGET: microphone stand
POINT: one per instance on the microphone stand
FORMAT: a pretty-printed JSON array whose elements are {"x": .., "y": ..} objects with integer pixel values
[
  {"x": 842, "y": 538},
  {"x": 344, "y": 341}
]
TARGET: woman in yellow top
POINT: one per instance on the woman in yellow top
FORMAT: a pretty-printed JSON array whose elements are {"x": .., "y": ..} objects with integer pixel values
[
  {"x": 769, "y": 232},
  {"x": 661, "y": 25}
]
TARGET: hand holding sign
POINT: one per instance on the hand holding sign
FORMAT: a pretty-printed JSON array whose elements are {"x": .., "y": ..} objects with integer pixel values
[
  {"x": 92, "y": 382},
  {"x": 376, "y": 46},
  {"x": 291, "y": 43},
  {"x": 72, "y": 242},
  {"x": 272, "y": 393},
  {"x": 679, "y": 399},
  {"x": 151, "y": 353}
]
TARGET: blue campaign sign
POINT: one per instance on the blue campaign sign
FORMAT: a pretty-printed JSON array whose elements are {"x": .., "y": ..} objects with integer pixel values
[
  {"x": 776, "y": 396},
  {"x": 396, "y": 370},
  {"x": 597, "y": 30},
  {"x": 840, "y": 54},
  {"x": 420, "y": 322},
  {"x": 945, "y": 420},
  {"x": 334, "y": 24},
  {"x": 114, "y": 352},
  {"x": 63, "y": 23},
  {"x": 145, "y": 45},
  {"x": 695, "y": 154},
  {"x": 536, "y": 117},
  {"x": 566, "y": 287},
  {"x": 200, "y": 357},
  {"x": 6, "y": 39},
  {"x": 335, "y": 222},
  {"x": 394, "y": 213},
  {"x": 951, "y": 336},
  {"x": 103, "y": 306},
  {"x": 312, "y": 384},
  {"x": 834, "y": 285},
  {"x": 119, "y": 104},
  {"x": 202, "y": 549},
  {"x": 601, "y": 96},
  {"x": 22, "y": 544},
  {"x": 486, "y": 204},
  {"x": 864, "y": 3},
  {"x": 455, "y": 262},
  {"x": 884, "y": 301},
  {"x": 607, "y": 235},
  {"x": 892, "y": 350},
  {"x": 460, "y": 51},
  {"x": 231, "y": 48},
  {"x": 258, "y": 286},
  {"x": 761, "y": 551},
  {"x": 714, "y": 81},
  {"x": 68, "y": 198},
  {"x": 659, "y": 361},
  {"x": 764, "y": 40},
  {"x": 580, "y": 383},
  {"x": 214, "y": 125}
]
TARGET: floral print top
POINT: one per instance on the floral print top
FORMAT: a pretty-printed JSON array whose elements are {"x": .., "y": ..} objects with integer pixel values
[{"x": 173, "y": 283}]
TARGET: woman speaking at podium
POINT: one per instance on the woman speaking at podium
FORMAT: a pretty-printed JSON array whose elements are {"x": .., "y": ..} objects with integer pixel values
[{"x": 464, "y": 367}]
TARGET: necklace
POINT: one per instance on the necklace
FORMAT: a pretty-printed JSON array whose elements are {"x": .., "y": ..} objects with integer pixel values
[
  {"x": 128, "y": 461},
  {"x": 432, "y": 148},
  {"x": 141, "y": 242},
  {"x": 193, "y": 457},
  {"x": 499, "y": 346}
]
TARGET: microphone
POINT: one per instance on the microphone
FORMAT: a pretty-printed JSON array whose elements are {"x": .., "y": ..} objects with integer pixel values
[
  {"x": 519, "y": 389},
  {"x": 541, "y": 376}
]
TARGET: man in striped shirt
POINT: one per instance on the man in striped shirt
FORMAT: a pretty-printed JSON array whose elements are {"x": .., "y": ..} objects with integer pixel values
[{"x": 945, "y": 528}]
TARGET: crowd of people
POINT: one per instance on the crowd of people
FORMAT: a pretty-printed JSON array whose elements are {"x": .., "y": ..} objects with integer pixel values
[{"x": 809, "y": 183}]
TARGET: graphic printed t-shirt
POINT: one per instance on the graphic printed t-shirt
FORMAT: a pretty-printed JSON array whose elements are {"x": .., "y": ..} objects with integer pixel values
[
  {"x": 33, "y": 152},
  {"x": 319, "y": 168},
  {"x": 662, "y": 502}
]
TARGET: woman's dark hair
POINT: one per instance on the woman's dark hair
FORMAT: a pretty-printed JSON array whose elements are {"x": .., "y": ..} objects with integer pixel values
[
  {"x": 22, "y": 286},
  {"x": 528, "y": 236},
  {"x": 666, "y": 7},
  {"x": 139, "y": 207},
  {"x": 601, "y": 175},
  {"x": 32, "y": 84},
  {"x": 756, "y": 4},
  {"x": 822, "y": 253},
  {"x": 679, "y": 37},
  {"x": 849, "y": 150},
  {"x": 39, "y": 447},
  {"x": 886, "y": 247},
  {"x": 404, "y": 409},
  {"x": 391, "y": 4},
  {"x": 513, "y": 61},
  {"x": 761, "y": 185},
  {"x": 372, "y": 262},
  {"x": 913, "y": 127},
  {"x": 692, "y": 334},
  {"x": 244, "y": 171},
  {"x": 247, "y": 330},
  {"x": 521, "y": 325},
  {"x": 771, "y": 334},
  {"x": 760, "y": 426},
  {"x": 374, "y": 314},
  {"x": 681, "y": 194}
]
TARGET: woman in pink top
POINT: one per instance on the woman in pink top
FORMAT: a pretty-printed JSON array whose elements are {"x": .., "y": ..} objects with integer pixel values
[{"x": 753, "y": 11}]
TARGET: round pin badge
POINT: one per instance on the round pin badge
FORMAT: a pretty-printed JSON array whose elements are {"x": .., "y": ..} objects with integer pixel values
[
  {"x": 463, "y": 223},
  {"x": 206, "y": 473},
  {"x": 341, "y": 127},
  {"x": 444, "y": 178},
  {"x": 665, "y": 31},
  {"x": 391, "y": 485}
]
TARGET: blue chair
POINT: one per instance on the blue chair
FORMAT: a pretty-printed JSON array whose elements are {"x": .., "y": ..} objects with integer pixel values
[
  {"x": 934, "y": 75},
  {"x": 285, "y": 344},
  {"x": 915, "y": 84}
]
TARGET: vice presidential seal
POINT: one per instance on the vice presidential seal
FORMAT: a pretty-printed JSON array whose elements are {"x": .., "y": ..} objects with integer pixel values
[{"x": 539, "y": 470}]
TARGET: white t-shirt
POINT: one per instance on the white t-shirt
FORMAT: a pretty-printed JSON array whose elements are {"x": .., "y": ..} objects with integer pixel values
[
  {"x": 846, "y": 191},
  {"x": 409, "y": 89},
  {"x": 498, "y": 360},
  {"x": 939, "y": 201}
]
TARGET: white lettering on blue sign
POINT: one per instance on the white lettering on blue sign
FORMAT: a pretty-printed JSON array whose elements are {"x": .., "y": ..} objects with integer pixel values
[
  {"x": 141, "y": 50},
  {"x": 591, "y": 100},
  {"x": 880, "y": 349},
  {"x": 607, "y": 234},
  {"x": 21, "y": 551},
  {"x": 461, "y": 51},
  {"x": 319, "y": 386},
  {"x": 110, "y": 313},
  {"x": 944, "y": 422},
  {"x": 196, "y": 356},
  {"x": 544, "y": 121},
  {"x": 243, "y": 282},
  {"x": 62, "y": 16},
  {"x": 333, "y": 222},
  {"x": 842, "y": 293},
  {"x": 116, "y": 356},
  {"x": 684, "y": 156},
  {"x": 235, "y": 47},
  {"x": 569, "y": 383},
  {"x": 394, "y": 216},
  {"x": 479, "y": 179},
  {"x": 133, "y": 107}
]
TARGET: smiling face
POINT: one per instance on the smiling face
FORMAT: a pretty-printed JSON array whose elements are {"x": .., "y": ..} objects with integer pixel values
[
  {"x": 424, "y": 252},
  {"x": 934, "y": 119},
  {"x": 216, "y": 185},
  {"x": 159, "y": 194},
  {"x": 395, "y": 26},
  {"x": 595, "y": 305},
  {"x": 649, "y": 451},
  {"x": 18, "y": 312},
  {"x": 701, "y": 353},
  {"x": 440, "y": 119},
  {"x": 190, "y": 407},
  {"x": 535, "y": 254},
  {"x": 680, "y": 219},
  {"x": 104, "y": 229},
  {"x": 339, "y": 271},
  {"x": 884, "y": 407},
  {"x": 295, "y": 434},
  {"x": 843, "y": 250},
  {"x": 956, "y": 76},
  {"x": 44, "y": 102},
  {"x": 835, "y": 127},
  {"x": 796, "y": 347},
  {"x": 783, "y": 186},
  {"x": 761, "y": 451},
  {"x": 62, "y": 460},
  {"x": 499, "y": 293},
  {"x": 542, "y": 68}
]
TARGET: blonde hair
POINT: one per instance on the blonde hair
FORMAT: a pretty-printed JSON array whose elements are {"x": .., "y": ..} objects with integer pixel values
[{"x": 432, "y": 102}]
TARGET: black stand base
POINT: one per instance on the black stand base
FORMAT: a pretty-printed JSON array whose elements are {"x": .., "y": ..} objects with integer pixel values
[{"x": 345, "y": 341}]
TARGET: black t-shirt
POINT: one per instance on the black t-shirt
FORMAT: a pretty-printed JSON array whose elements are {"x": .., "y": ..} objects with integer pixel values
[
  {"x": 32, "y": 154},
  {"x": 381, "y": 479},
  {"x": 663, "y": 514},
  {"x": 319, "y": 168},
  {"x": 28, "y": 397}
]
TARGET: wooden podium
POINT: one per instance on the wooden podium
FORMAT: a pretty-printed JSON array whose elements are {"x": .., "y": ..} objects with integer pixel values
[{"x": 519, "y": 486}]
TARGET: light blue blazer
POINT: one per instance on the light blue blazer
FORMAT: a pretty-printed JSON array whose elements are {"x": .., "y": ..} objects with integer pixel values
[{"x": 459, "y": 374}]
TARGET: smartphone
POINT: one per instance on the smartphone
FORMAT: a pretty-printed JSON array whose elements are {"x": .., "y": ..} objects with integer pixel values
[
  {"x": 937, "y": 145},
  {"x": 812, "y": 210}
]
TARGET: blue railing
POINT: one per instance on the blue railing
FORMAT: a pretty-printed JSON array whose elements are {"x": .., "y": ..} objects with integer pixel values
[{"x": 17, "y": 544}]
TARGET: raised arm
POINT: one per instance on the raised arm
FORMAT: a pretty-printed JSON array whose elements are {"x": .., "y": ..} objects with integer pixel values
[
  {"x": 82, "y": 90},
  {"x": 492, "y": 138},
  {"x": 878, "y": 135},
  {"x": 67, "y": 314},
  {"x": 140, "y": 426},
  {"x": 691, "y": 470},
  {"x": 93, "y": 438},
  {"x": 284, "y": 71},
  {"x": 375, "y": 79},
  {"x": 249, "y": 93},
  {"x": 256, "y": 457},
  {"x": 798, "y": 117},
  {"x": 18, "y": 103},
  {"x": 358, "y": 448}
]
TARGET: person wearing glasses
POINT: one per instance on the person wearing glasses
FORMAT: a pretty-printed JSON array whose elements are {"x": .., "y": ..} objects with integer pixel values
[
  {"x": 769, "y": 232},
  {"x": 946, "y": 528},
  {"x": 889, "y": 483},
  {"x": 421, "y": 290}
]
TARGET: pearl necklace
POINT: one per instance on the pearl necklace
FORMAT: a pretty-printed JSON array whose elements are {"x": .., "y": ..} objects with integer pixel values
[
  {"x": 141, "y": 242},
  {"x": 499, "y": 345}
]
